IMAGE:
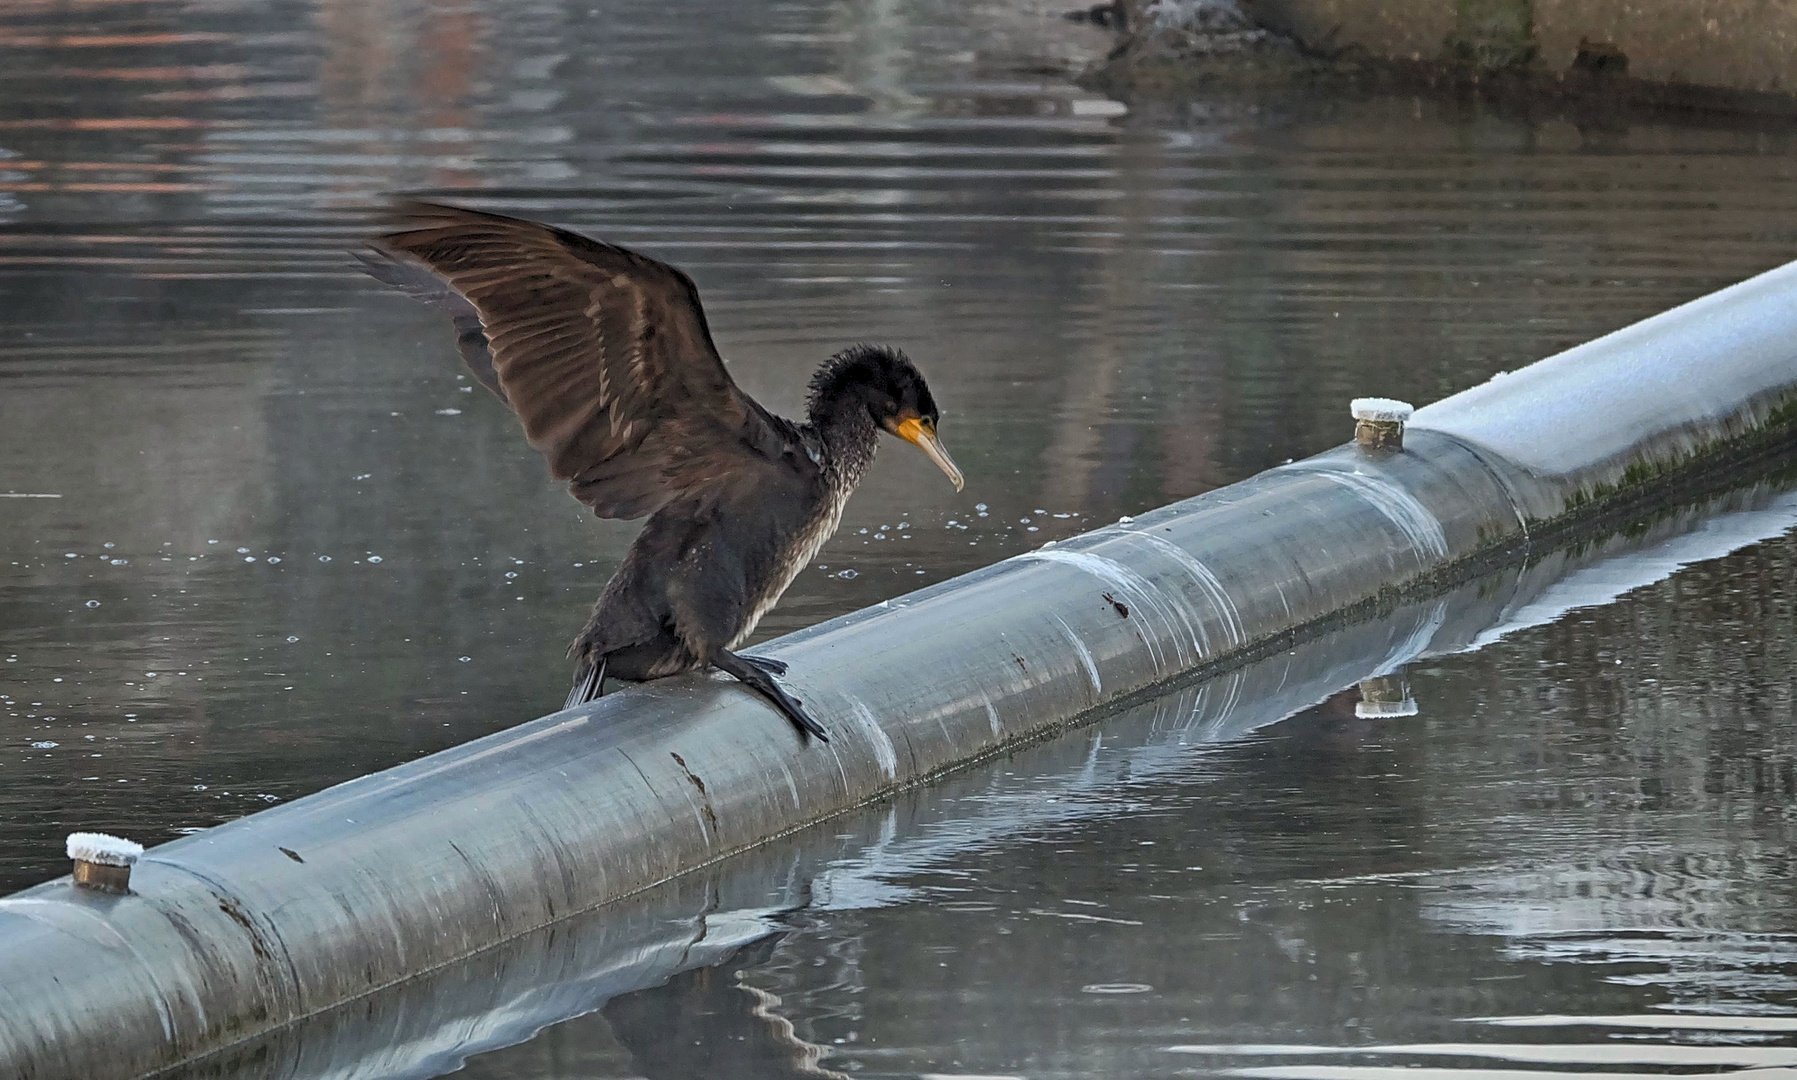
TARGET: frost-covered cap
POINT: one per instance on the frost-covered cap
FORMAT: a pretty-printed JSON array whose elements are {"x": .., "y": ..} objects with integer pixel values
[
  {"x": 100, "y": 848},
  {"x": 1381, "y": 409}
]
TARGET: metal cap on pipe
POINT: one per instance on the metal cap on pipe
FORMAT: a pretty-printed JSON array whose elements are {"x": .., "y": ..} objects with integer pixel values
[
  {"x": 1379, "y": 422},
  {"x": 103, "y": 861}
]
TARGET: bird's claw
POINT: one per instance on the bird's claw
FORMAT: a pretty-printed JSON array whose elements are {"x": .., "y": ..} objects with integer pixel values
[
  {"x": 767, "y": 664},
  {"x": 806, "y": 724},
  {"x": 795, "y": 711}
]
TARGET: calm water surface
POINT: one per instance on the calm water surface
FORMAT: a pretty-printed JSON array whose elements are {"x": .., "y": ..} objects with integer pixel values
[{"x": 259, "y": 534}]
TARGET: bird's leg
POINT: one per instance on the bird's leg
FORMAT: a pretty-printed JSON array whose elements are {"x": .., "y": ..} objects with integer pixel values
[
  {"x": 767, "y": 664},
  {"x": 751, "y": 674},
  {"x": 589, "y": 684}
]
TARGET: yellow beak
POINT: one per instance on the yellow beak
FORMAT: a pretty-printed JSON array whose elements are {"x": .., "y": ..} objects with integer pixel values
[{"x": 922, "y": 433}]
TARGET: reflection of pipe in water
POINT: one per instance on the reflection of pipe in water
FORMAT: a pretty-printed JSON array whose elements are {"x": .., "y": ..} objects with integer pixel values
[{"x": 709, "y": 1022}]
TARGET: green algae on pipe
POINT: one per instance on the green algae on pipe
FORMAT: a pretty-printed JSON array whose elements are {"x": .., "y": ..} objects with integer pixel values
[
  {"x": 1652, "y": 399},
  {"x": 240, "y": 929}
]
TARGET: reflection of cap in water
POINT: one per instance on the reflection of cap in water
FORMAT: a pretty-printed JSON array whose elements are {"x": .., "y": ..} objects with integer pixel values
[{"x": 1385, "y": 696}]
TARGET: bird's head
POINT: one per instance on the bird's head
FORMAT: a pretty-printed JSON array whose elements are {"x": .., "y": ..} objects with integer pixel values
[{"x": 885, "y": 382}]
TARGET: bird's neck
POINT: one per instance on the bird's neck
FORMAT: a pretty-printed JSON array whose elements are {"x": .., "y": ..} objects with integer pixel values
[{"x": 848, "y": 433}]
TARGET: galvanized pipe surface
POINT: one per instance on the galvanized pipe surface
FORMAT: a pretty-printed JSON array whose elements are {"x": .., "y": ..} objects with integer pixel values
[
  {"x": 1652, "y": 398},
  {"x": 429, "y": 1026},
  {"x": 294, "y": 910}
]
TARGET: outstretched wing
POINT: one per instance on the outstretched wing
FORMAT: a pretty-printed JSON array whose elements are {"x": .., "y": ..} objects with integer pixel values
[{"x": 603, "y": 354}]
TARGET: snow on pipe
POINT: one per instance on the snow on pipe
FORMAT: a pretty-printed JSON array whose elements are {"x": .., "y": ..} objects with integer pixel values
[{"x": 237, "y": 930}]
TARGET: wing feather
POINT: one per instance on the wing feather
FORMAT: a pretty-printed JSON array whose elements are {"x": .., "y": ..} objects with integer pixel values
[{"x": 603, "y": 354}]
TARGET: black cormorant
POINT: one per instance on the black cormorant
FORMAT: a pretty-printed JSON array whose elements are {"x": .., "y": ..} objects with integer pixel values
[{"x": 605, "y": 357}]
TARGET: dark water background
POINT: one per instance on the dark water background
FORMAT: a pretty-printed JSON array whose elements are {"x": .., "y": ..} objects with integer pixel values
[{"x": 290, "y": 544}]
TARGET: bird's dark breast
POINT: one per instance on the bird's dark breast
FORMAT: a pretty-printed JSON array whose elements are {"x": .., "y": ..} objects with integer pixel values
[
  {"x": 699, "y": 579},
  {"x": 794, "y": 552}
]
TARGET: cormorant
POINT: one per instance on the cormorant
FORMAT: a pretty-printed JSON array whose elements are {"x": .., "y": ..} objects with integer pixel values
[{"x": 605, "y": 357}]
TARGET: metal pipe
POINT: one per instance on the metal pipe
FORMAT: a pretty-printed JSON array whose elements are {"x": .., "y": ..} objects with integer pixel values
[
  {"x": 430, "y": 1025},
  {"x": 232, "y": 932}
]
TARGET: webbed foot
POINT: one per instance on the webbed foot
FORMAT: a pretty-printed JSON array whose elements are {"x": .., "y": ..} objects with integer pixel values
[{"x": 752, "y": 672}]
